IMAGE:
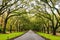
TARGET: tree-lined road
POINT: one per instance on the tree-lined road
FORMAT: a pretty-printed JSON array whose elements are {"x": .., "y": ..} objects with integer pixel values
[{"x": 30, "y": 35}]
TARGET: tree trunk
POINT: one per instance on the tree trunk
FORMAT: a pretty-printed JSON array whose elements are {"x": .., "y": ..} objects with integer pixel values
[
  {"x": 54, "y": 31},
  {"x": 4, "y": 27},
  {"x": 47, "y": 30},
  {"x": 19, "y": 29},
  {"x": 44, "y": 29},
  {"x": 10, "y": 28}
]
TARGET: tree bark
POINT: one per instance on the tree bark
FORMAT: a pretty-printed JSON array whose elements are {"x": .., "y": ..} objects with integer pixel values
[
  {"x": 54, "y": 31},
  {"x": 10, "y": 28},
  {"x": 47, "y": 30},
  {"x": 4, "y": 27},
  {"x": 44, "y": 29}
]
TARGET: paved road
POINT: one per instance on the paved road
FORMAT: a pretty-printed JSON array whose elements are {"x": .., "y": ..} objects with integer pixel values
[{"x": 30, "y": 35}]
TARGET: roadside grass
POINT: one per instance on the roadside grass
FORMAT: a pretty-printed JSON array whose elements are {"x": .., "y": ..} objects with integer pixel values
[
  {"x": 49, "y": 36},
  {"x": 10, "y": 35}
]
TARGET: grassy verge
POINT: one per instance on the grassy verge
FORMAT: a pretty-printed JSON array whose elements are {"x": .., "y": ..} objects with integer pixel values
[
  {"x": 11, "y": 35},
  {"x": 49, "y": 36}
]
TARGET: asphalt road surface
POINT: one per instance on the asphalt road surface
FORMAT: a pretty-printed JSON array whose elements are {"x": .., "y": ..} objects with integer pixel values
[{"x": 30, "y": 35}]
